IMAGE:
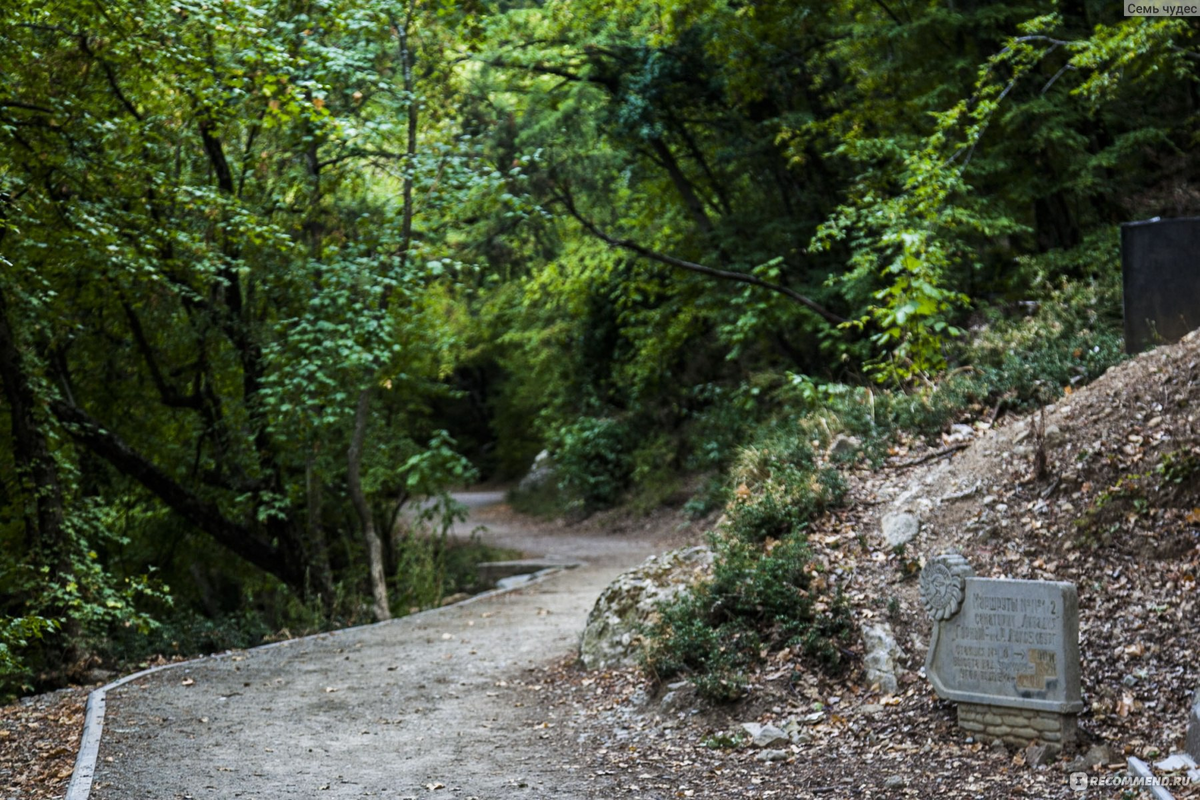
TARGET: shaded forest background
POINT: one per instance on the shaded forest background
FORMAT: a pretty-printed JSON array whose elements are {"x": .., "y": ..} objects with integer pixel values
[{"x": 277, "y": 276}]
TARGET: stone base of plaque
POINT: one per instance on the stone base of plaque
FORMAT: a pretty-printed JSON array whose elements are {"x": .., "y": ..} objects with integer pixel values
[{"x": 1018, "y": 726}]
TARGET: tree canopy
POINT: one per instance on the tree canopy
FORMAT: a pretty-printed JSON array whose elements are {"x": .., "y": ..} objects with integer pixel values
[{"x": 271, "y": 270}]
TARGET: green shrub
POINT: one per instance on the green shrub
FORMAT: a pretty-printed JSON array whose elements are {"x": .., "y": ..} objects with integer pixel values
[
  {"x": 432, "y": 567},
  {"x": 462, "y": 557},
  {"x": 593, "y": 460},
  {"x": 713, "y": 494},
  {"x": 655, "y": 479},
  {"x": 1179, "y": 466},
  {"x": 759, "y": 598},
  {"x": 186, "y": 633},
  {"x": 15, "y": 635},
  {"x": 721, "y": 423}
]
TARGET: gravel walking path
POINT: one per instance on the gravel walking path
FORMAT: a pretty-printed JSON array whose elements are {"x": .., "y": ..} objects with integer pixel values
[{"x": 439, "y": 703}]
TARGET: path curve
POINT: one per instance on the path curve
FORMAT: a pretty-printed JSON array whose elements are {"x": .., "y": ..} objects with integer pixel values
[{"x": 440, "y": 702}]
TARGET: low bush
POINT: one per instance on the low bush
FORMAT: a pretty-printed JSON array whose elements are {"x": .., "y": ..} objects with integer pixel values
[
  {"x": 545, "y": 500},
  {"x": 189, "y": 633},
  {"x": 765, "y": 592},
  {"x": 433, "y": 567},
  {"x": 593, "y": 460},
  {"x": 760, "y": 598}
]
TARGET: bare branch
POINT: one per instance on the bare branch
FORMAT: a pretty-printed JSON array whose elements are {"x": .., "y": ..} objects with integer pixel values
[
  {"x": 205, "y": 514},
  {"x": 680, "y": 263},
  {"x": 1057, "y": 75},
  {"x": 26, "y": 106}
]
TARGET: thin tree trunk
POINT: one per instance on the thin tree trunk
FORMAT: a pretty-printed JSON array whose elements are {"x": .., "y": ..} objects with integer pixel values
[
  {"x": 379, "y": 591},
  {"x": 318, "y": 549},
  {"x": 410, "y": 147},
  {"x": 375, "y": 559}
]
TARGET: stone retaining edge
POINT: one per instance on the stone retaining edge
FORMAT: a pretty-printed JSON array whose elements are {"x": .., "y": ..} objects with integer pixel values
[{"x": 80, "y": 787}]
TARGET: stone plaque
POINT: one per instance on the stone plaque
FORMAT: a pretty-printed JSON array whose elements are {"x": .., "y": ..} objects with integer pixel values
[{"x": 1007, "y": 649}]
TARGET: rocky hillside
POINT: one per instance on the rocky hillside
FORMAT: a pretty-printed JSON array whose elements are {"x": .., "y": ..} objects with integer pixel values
[{"x": 1101, "y": 489}]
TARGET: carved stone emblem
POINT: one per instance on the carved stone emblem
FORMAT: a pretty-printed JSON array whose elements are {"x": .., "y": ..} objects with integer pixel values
[{"x": 943, "y": 583}]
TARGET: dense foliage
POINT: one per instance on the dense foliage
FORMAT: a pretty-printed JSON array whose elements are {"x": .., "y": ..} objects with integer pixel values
[{"x": 269, "y": 272}]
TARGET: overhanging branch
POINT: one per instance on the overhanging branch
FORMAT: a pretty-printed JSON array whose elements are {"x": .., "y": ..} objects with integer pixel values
[
  {"x": 201, "y": 513},
  {"x": 691, "y": 266}
]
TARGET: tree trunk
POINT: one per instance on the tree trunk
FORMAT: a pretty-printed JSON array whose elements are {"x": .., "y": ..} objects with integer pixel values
[
  {"x": 379, "y": 591},
  {"x": 45, "y": 530},
  {"x": 33, "y": 457},
  {"x": 316, "y": 546}
]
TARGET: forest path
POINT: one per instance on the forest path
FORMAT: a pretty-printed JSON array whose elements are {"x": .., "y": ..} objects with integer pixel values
[{"x": 442, "y": 702}]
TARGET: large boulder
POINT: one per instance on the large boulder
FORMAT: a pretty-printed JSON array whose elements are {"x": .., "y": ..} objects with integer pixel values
[
  {"x": 611, "y": 638},
  {"x": 899, "y": 528}
]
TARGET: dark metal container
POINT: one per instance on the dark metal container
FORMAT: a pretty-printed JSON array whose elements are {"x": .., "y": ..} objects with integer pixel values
[{"x": 1160, "y": 263}]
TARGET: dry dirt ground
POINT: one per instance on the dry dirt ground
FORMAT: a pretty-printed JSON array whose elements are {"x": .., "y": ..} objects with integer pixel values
[
  {"x": 1116, "y": 511},
  {"x": 39, "y": 737}
]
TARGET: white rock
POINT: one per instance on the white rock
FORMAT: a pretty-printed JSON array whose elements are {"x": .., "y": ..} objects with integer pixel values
[
  {"x": 844, "y": 446},
  {"x": 768, "y": 756},
  {"x": 610, "y": 637},
  {"x": 881, "y": 655},
  {"x": 512, "y": 581},
  {"x": 1175, "y": 762},
  {"x": 1053, "y": 436},
  {"x": 795, "y": 730},
  {"x": 899, "y": 528},
  {"x": 764, "y": 735},
  {"x": 540, "y": 473}
]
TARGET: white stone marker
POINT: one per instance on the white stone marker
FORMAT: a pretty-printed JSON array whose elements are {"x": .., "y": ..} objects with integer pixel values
[{"x": 1007, "y": 651}]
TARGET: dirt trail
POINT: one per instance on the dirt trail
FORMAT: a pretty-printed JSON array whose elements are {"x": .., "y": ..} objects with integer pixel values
[{"x": 442, "y": 702}]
